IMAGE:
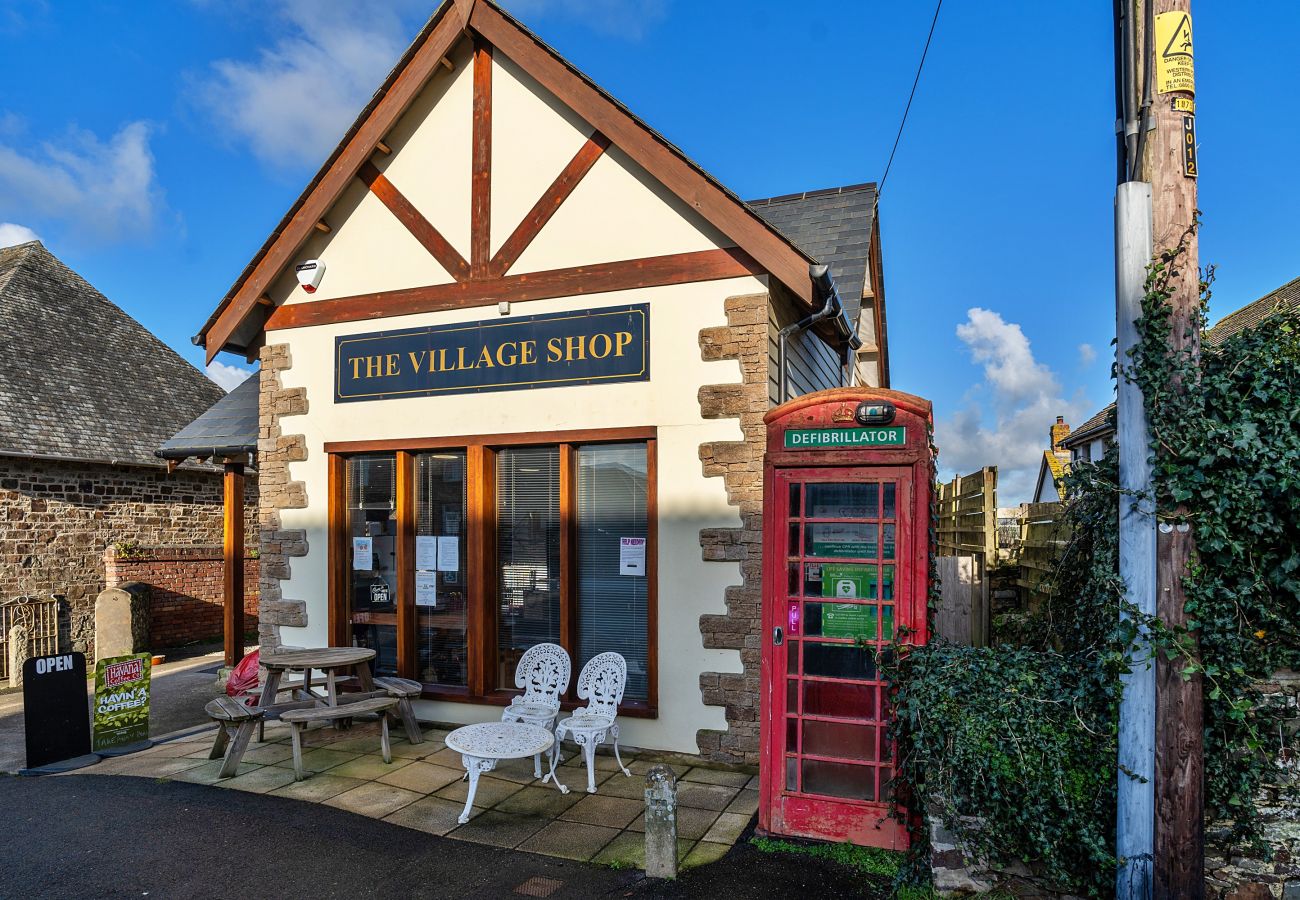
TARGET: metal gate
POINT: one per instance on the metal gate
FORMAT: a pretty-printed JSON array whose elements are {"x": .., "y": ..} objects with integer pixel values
[{"x": 41, "y": 619}]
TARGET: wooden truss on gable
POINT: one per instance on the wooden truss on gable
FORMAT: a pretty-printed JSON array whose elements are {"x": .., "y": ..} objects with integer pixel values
[{"x": 483, "y": 279}]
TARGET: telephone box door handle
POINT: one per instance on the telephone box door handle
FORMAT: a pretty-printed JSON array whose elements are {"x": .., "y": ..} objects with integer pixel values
[{"x": 776, "y": 636}]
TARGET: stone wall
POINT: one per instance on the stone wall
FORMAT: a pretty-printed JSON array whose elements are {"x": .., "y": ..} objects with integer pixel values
[
  {"x": 186, "y": 588},
  {"x": 57, "y": 518},
  {"x": 275, "y": 450},
  {"x": 740, "y": 465}
]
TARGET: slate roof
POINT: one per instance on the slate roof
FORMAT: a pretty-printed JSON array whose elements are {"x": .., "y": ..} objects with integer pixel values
[
  {"x": 79, "y": 378},
  {"x": 228, "y": 428},
  {"x": 833, "y": 227},
  {"x": 1287, "y": 297}
]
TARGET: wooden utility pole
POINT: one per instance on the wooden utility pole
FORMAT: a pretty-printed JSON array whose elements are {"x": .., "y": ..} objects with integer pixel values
[
  {"x": 232, "y": 554},
  {"x": 1180, "y": 764},
  {"x": 1157, "y": 144}
]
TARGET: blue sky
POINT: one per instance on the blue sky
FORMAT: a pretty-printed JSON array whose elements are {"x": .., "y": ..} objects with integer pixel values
[{"x": 166, "y": 140}]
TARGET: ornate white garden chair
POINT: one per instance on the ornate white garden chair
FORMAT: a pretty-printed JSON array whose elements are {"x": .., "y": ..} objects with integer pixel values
[
  {"x": 543, "y": 673},
  {"x": 601, "y": 683}
]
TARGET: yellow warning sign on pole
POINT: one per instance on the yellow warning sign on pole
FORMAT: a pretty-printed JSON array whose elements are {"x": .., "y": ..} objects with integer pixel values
[{"x": 1174, "y": 53}]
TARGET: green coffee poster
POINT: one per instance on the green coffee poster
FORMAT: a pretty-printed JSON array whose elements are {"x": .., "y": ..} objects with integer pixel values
[{"x": 122, "y": 701}]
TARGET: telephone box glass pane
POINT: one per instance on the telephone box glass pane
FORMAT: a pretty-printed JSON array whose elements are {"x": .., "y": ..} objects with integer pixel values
[
  {"x": 792, "y": 774},
  {"x": 845, "y": 740},
  {"x": 793, "y": 547},
  {"x": 852, "y": 500},
  {"x": 889, "y": 501},
  {"x": 794, "y": 499},
  {"x": 372, "y": 556},
  {"x": 837, "y": 698},
  {"x": 887, "y": 583},
  {"x": 843, "y": 540},
  {"x": 840, "y": 620},
  {"x": 838, "y": 661},
  {"x": 839, "y": 780},
  {"x": 440, "y": 572},
  {"x": 792, "y": 735},
  {"x": 888, "y": 549}
]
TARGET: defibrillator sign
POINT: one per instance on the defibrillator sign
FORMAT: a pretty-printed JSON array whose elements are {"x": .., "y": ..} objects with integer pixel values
[{"x": 1174, "y": 53}]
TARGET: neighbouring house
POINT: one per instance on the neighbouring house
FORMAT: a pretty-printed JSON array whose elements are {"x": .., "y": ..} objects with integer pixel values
[
  {"x": 1092, "y": 439},
  {"x": 516, "y": 350},
  {"x": 86, "y": 395},
  {"x": 1056, "y": 462}
]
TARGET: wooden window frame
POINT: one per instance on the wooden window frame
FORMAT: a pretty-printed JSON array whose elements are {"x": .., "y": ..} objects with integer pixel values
[{"x": 481, "y": 558}]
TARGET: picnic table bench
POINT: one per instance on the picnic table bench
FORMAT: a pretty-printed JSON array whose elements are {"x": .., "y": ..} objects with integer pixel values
[
  {"x": 299, "y": 719},
  {"x": 235, "y": 724}
]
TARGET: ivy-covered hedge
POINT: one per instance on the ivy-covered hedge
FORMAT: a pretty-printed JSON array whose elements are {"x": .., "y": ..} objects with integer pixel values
[{"x": 1012, "y": 742}]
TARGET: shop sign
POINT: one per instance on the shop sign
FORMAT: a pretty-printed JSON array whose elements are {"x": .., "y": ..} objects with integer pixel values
[
  {"x": 54, "y": 708},
  {"x": 122, "y": 700},
  {"x": 594, "y": 346},
  {"x": 826, "y": 438}
]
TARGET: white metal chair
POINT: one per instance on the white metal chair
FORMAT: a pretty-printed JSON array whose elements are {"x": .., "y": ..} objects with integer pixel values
[
  {"x": 543, "y": 673},
  {"x": 601, "y": 684}
]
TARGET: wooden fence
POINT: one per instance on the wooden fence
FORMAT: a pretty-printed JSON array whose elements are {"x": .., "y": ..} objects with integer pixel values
[
  {"x": 1043, "y": 536},
  {"x": 968, "y": 515},
  {"x": 968, "y": 545},
  {"x": 41, "y": 617}
]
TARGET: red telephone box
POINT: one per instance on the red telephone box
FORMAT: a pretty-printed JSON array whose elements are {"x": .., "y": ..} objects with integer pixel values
[{"x": 847, "y": 479}]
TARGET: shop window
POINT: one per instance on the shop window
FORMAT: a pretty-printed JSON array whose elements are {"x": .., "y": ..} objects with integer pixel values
[
  {"x": 372, "y": 557},
  {"x": 450, "y": 562},
  {"x": 528, "y": 554}
]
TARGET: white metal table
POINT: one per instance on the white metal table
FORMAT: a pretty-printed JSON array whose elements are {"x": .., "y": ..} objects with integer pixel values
[{"x": 482, "y": 746}]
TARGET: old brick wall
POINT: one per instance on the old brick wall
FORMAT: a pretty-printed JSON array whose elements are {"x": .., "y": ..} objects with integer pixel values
[
  {"x": 740, "y": 465},
  {"x": 187, "y": 585},
  {"x": 57, "y": 518},
  {"x": 276, "y": 491}
]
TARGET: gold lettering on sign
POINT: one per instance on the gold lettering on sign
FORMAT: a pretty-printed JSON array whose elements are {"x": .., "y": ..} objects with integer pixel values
[
  {"x": 528, "y": 352},
  {"x": 574, "y": 348},
  {"x": 553, "y": 352}
]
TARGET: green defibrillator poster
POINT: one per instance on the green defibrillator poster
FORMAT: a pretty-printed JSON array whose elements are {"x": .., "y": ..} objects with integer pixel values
[
  {"x": 122, "y": 701},
  {"x": 848, "y": 581}
]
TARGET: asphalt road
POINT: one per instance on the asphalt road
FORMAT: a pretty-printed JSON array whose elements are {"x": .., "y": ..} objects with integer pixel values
[
  {"x": 178, "y": 693},
  {"x": 78, "y": 836}
]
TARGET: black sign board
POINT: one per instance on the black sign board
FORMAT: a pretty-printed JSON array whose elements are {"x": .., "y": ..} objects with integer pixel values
[
  {"x": 55, "y": 713},
  {"x": 593, "y": 346},
  {"x": 1189, "y": 146}
]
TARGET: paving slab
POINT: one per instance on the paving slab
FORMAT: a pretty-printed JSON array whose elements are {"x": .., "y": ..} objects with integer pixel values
[
  {"x": 370, "y": 767},
  {"x": 542, "y": 802},
  {"x": 263, "y": 781},
  {"x": 718, "y": 776},
  {"x": 705, "y": 852},
  {"x": 317, "y": 788},
  {"x": 628, "y": 851},
  {"x": 613, "y": 812},
  {"x": 491, "y": 791},
  {"x": 322, "y": 760},
  {"x": 570, "y": 840},
  {"x": 373, "y": 800},
  {"x": 705, "y": 796},
  {"x": 432, "y": 815},
  {"x": 745, "y": 804},
  {"x": 209, "y": 772},
  {"x": 498, "y": 829},
  {"x": 420, "y": 776},
  {"x": 269, "y": 754},
  {"x": 727, "y": 829}
]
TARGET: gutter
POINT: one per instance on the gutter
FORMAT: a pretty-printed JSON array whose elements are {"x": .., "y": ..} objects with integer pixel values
[{"x": 832, "y": 309}]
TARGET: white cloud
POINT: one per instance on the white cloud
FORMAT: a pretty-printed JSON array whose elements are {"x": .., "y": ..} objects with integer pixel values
[
  {"x": 620, "y": 18},
  {"x": 227, "y": 376},
  {"x": 12, "y": 235},
  {"x": 1010, "y": 411},
  {"x": 1087, "y": 355},
  {"x": 294, "y": 101},
  {"x": 106, "y": 190}
]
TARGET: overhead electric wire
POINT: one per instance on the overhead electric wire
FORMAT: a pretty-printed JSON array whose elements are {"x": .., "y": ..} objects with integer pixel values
[{"x": 915, "y": 81}]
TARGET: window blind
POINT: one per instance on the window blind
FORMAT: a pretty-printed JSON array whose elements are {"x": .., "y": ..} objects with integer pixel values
[{"x": 440, "y": 612}]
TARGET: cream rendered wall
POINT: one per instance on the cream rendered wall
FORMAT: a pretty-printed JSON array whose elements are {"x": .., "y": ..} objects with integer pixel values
[{"x": 688, "y": 587}]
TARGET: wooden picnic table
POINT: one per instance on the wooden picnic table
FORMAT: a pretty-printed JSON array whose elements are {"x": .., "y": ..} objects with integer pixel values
[{"x": 329, "y": 660}]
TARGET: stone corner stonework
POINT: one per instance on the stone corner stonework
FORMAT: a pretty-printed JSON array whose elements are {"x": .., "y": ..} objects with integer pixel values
[
  {"x": 740, "y": 464},
  {"x": 276, "y": 492}
]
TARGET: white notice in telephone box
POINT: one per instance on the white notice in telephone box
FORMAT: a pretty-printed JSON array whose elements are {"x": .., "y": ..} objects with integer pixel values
[
  {"x": 631, "y": 556},
  {"x": 363, "y": 555}
]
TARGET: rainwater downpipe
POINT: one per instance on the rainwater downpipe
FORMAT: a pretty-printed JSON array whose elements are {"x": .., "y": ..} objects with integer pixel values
[{"x": 823, "y": 288}]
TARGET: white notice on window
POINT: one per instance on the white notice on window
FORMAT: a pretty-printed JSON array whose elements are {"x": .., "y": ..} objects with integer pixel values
[
  {"x": 449, "y": 554},
  {"x": 426, "y": 552},
  {"x": 363, "y": 553},
  {"x": 631, "y": 556},
  {"x": 426, "y": 588}
]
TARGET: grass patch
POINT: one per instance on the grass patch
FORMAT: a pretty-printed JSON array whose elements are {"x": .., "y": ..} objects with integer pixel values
[{"x": 863, "y": 860}]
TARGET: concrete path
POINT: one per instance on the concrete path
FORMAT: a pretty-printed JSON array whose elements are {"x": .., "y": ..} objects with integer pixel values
[{"x": 179, "y": 691}]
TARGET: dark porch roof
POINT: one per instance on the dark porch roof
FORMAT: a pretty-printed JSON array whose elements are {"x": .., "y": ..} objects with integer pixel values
[{"x": 228, "y": 428}]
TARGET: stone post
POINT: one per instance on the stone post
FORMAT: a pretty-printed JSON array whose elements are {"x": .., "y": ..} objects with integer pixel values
[
  {"x": 122, "y": 620},
  {"x": 18, "y": 653},
  {"x": 660, "y": 823}
]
